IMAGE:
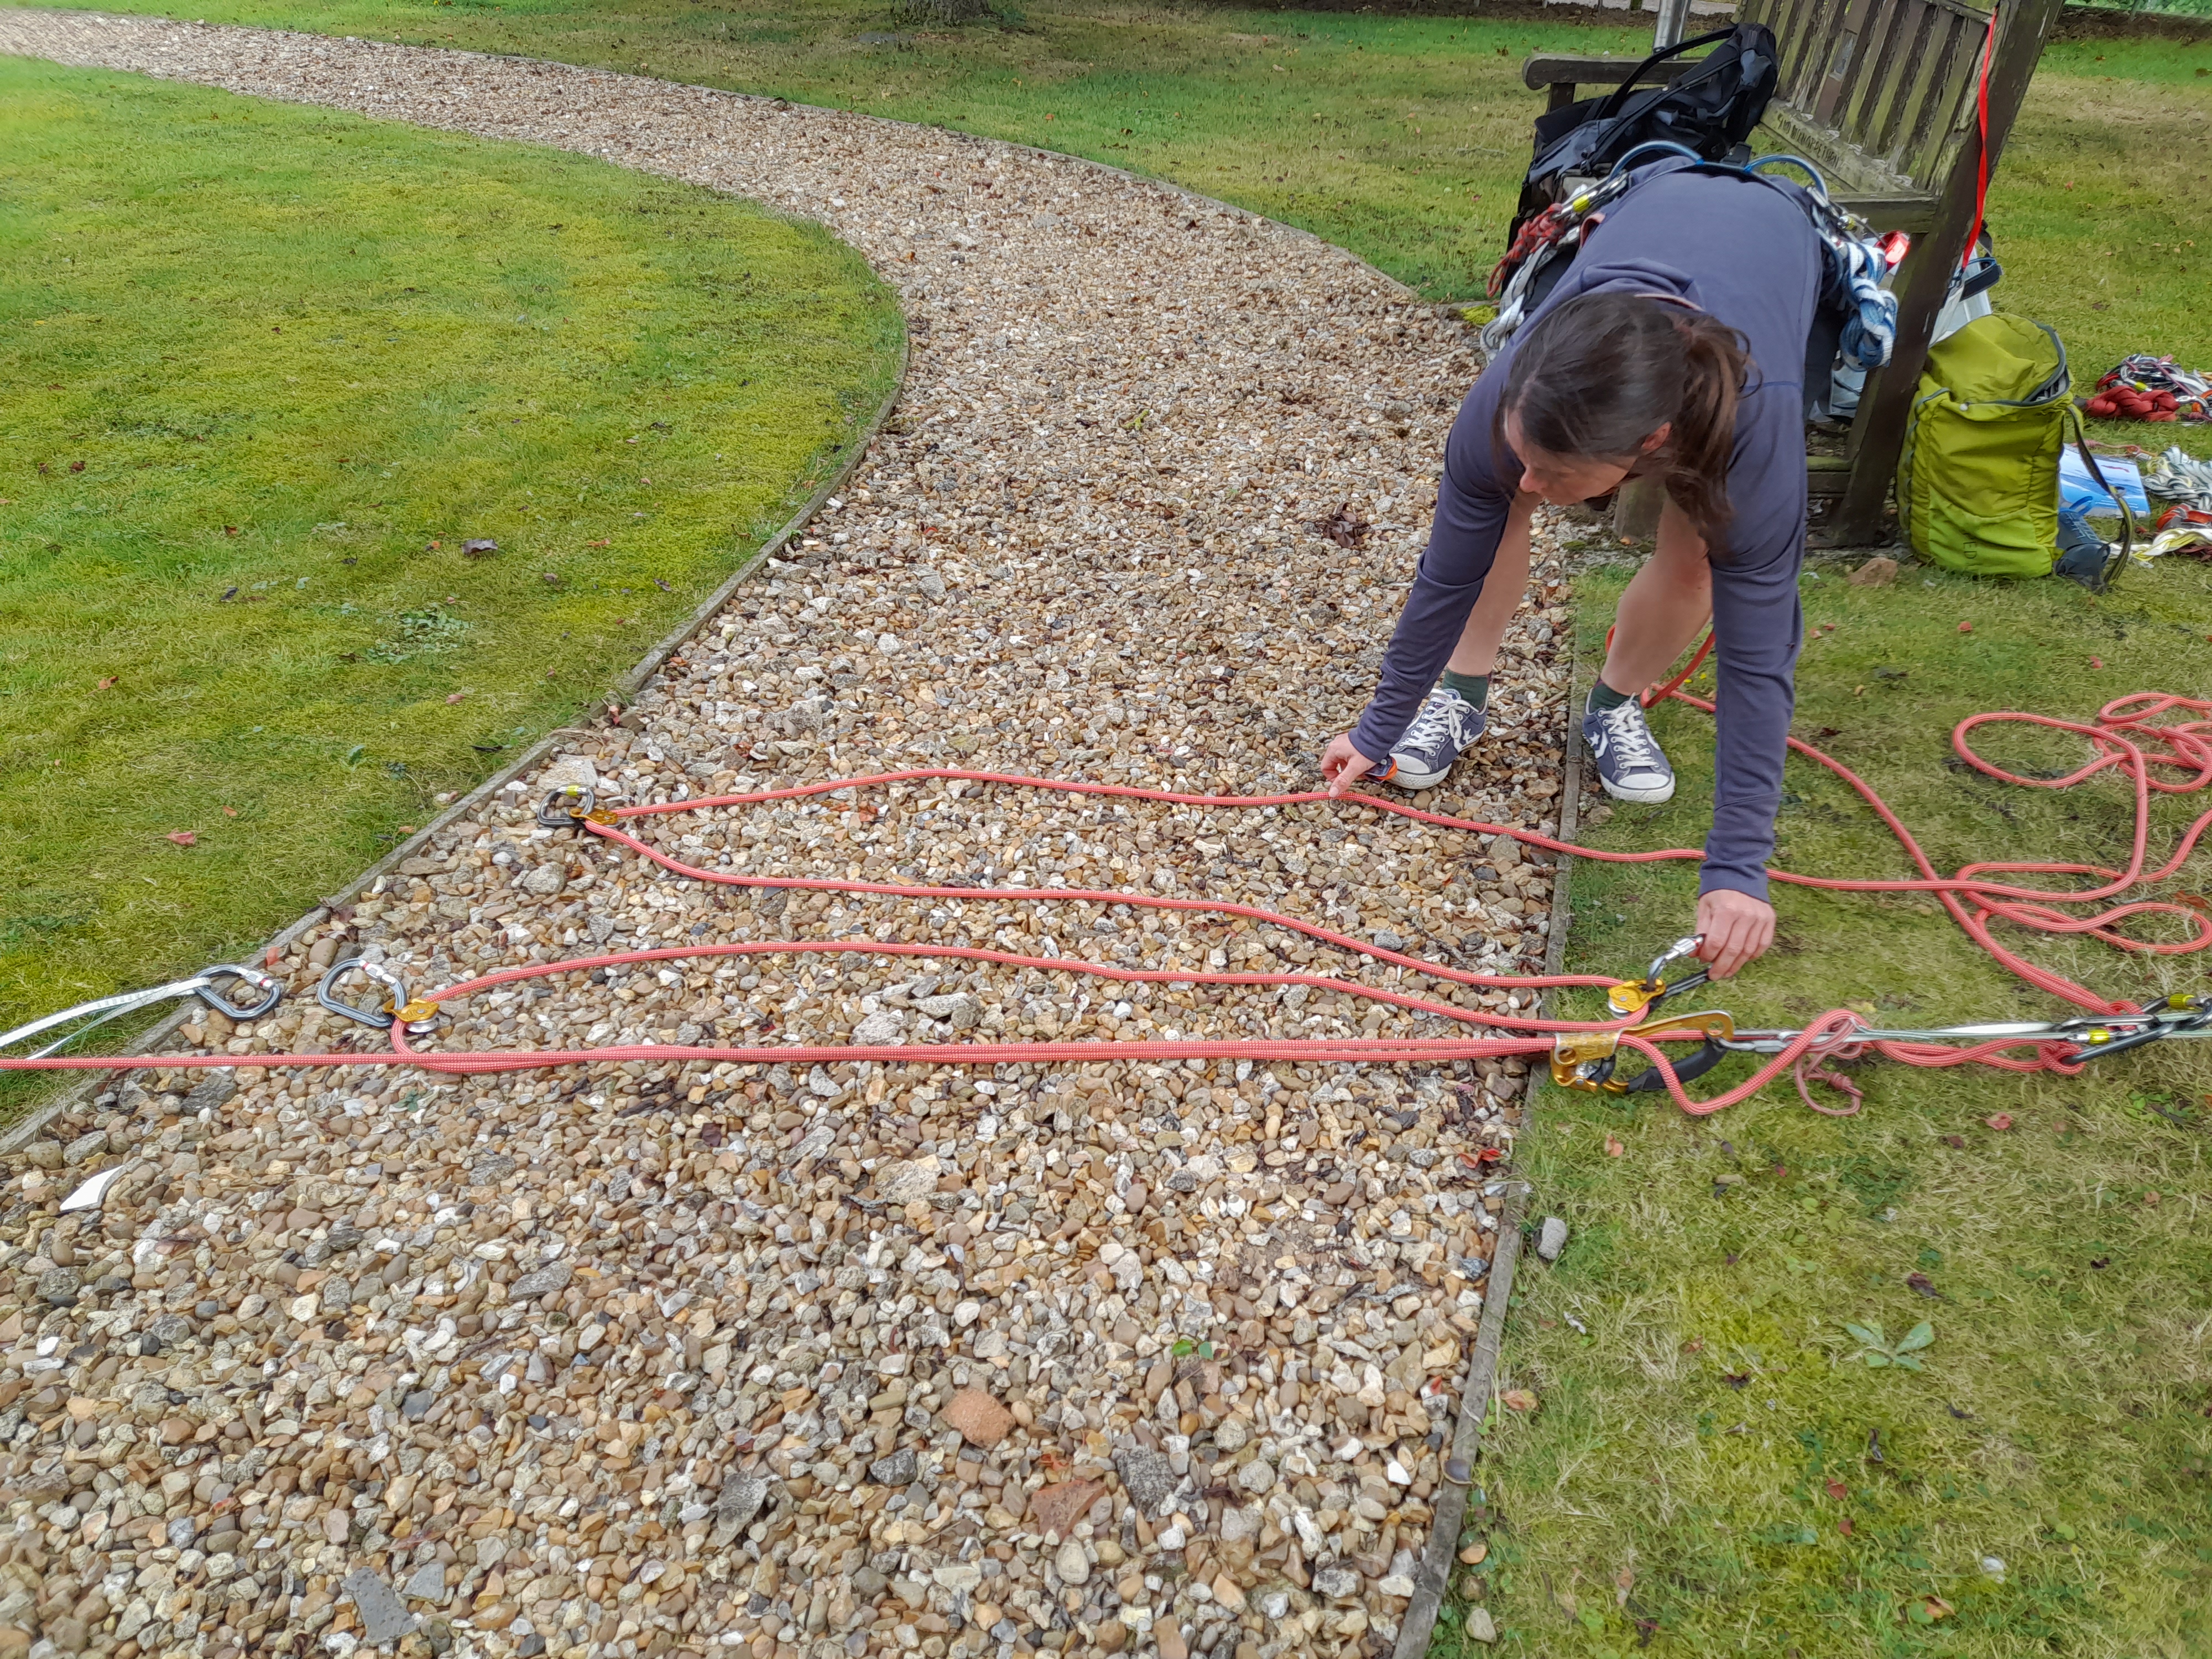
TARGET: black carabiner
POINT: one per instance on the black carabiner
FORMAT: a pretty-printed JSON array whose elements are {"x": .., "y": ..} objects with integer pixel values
[
  {"x": 269, "y": 991},
  {"x": 567, "y": 807},
  {"x": 379, "y": 1019},
  {"x": 1652, "y": 1079},
  {"x": 2149, "y": 1034}
]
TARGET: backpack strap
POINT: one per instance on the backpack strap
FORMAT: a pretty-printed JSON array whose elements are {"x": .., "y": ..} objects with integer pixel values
[
  {"x": 1618, "y": 96},
  {"x": 2113, "y": 567}
]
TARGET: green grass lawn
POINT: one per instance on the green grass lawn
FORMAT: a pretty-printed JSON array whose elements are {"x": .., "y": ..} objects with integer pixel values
[
  {"x": 1701, "y": 1429},
  {"x": 1400, "y": 138},
  {"x": 1680, "y": 1469},
  {"x": 265, "y": 370}
]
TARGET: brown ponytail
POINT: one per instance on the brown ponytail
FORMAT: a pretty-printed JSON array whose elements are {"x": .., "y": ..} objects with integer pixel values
[{"x": 1597, "y": 375}]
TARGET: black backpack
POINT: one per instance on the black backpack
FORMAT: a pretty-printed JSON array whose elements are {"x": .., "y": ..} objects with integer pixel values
[{"x": 1711, "y": 111}]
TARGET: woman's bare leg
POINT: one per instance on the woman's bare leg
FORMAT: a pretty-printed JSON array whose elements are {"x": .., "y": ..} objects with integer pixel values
[
  {"x": 1666, "y": 605},
  {"x": 1502, "y": 591}
]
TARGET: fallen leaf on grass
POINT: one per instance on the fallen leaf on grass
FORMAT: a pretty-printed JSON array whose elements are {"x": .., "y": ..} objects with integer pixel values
[
  {"x": 1966, "y": 628},
  {"x": 601, "y": 543},
  {"x": 1924, "y": 1285},
  {"x": 1843, "y": 1526},
  {"x": 1838, "y": 1491},
  {"x": 479, "y": 547},
  {"x": 2000, "y": 1122},
  {"x": 2150, "y": 1201},
  {"x": 230, "y": 811},
  {"x": 1518, "y": 1399},
  {"x": 184, "y": 837},
  {"x": 455, "y": 696},
  {"x": 2096, "y": 662},
  {"x": 105, "y": 683},
  {"x": 1613, "y": 1148}
]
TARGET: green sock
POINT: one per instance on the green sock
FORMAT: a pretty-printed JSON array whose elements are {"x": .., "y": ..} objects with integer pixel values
[
  {"x": 1475, "y": 688},
  {"x": 1603, "y": 696}
]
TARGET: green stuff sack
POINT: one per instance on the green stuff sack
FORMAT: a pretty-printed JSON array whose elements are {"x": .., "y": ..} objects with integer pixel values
[{"x": 1978, "y": 484}]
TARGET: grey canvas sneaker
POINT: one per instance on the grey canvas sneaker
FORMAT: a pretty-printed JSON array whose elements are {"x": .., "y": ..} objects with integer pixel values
[
  {"x": 1445, "y": 729},
  {"x": 1629, "y": 761}
]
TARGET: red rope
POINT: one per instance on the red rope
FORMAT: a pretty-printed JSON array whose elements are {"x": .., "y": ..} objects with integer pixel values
[{"x": 2126, "y": 736}]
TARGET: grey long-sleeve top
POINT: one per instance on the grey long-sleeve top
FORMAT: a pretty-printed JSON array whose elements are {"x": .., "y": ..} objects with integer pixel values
[{"x": 1740, "y": 250}]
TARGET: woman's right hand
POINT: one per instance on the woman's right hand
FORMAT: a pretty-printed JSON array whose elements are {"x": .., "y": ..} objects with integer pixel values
[{"x": 1341, "y": 765}]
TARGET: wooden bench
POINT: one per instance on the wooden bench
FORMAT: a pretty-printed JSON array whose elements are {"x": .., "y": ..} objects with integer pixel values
[{"x": 1882, "y": 96}]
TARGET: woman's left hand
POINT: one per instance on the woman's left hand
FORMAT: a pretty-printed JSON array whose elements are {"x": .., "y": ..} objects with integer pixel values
[
  {"x": 1737, "y": 927},
  {"x": 1341, "y": 765}
]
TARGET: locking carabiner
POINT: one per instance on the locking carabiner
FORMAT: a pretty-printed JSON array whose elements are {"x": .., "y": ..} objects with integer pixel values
[
  {"x": 379, "y": 1019},
  {"x": 1641, "y": 996},
  {"x": 571, "y": 806}
]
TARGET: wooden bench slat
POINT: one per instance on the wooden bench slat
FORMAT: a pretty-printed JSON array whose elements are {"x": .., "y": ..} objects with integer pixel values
[
  {"x": 1837, "y": 64},
  {"x": 1891, "y": 119},
  {"x": 1885, "y": 131},
  {"x": 1934, "y": 136},
  {"x": 1913, "y": 215},
  {"x": 1857, "y": 54},
  {"x": 1861, "y": 119},
  {"x": 1553, "y": 69}
]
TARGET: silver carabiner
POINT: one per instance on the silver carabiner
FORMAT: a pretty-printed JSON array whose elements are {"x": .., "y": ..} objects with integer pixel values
[
  {"x": 268, "y": 992},
  {"x": 1686, "y": 946},
  {"x": 379, "y": 1019}
]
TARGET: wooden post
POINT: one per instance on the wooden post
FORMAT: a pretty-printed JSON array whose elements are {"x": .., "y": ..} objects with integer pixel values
[
  {"x": 1636, "y": 509},
  {"x": 1878, "y": 434},
  {"x": 1673, "y": 17}
]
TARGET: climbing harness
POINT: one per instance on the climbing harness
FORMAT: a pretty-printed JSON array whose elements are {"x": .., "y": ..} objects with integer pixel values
[
  {"x": 2133, "y": 735},
  {"x": 1857, "y": 259}
]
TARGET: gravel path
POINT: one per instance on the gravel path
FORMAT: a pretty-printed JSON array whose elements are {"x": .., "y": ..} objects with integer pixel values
[{"x": 868, "y": 1360}]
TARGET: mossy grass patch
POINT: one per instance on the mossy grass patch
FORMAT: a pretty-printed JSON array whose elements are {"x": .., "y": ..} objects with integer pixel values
[
  {"x": 1711, "y": 1435},
  {"x": 271, "y": 371}
]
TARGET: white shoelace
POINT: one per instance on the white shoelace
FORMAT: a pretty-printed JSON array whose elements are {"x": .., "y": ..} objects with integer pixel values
[
  {"x": 1633, "y": 749},
  {"x": 1436, "y": 721}
]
